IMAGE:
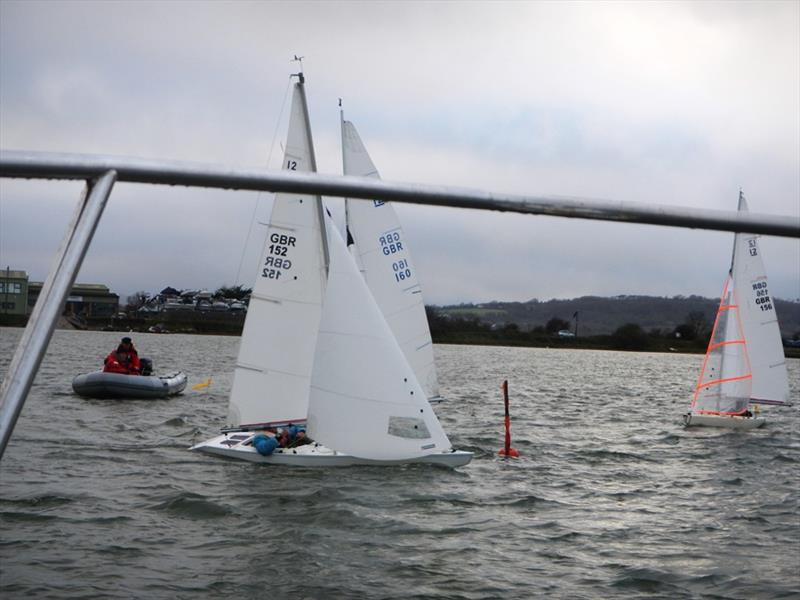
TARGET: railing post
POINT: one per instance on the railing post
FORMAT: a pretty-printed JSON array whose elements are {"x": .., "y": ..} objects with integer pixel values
[{"x": 49, "y": 306}]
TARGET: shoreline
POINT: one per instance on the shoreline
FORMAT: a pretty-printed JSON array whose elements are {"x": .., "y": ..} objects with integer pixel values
[{"x": 605, "y": 342}]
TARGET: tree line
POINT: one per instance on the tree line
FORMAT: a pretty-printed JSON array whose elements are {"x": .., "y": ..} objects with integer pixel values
[{"x": 690, "y": 336}]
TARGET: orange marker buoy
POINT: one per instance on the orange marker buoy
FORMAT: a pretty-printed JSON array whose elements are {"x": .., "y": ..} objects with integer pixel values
[{"x": 507, "y": 450}]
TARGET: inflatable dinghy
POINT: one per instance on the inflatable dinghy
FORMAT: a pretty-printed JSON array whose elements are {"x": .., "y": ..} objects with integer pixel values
[{"x": 118, "y": 385}]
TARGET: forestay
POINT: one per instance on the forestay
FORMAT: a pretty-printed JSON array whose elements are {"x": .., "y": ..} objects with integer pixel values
[
  {"x": 365, "y": 399},
  {"x": 381, "y": 252},
  {"x": 759, "y": 320},
  {"x": 273, "y": 369},
  {"x": 725, "y": 380}
]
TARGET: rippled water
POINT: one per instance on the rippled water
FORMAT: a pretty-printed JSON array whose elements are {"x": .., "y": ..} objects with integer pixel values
[{"x": 611, "y": 497}]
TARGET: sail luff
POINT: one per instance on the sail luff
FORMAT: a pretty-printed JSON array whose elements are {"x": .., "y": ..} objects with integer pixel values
[
  {"x": 710, "y": 346},
  {"x": 742, "y": 206},
  {"x": 313, "y": 164},
  {"x": 748, "y": 364},
  {"x": 349, "y": 239}
]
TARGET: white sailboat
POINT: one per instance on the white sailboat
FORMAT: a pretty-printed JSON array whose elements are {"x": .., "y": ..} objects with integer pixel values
[
  {"x": 317, "y": 353},
  {"x": 744, "y": 363},
  {"x": 376, "y": 240}
]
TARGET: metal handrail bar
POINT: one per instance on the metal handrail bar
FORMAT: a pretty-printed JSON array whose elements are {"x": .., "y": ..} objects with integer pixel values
[
  {"x": 102, "y": 171},
  {"x": 33, "y": 344},
  {"x": 79, "y": 166}
]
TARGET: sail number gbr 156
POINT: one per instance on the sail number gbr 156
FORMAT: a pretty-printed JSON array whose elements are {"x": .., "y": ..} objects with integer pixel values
[
  {"x": 761, "y": 293},
  {"x": 276, "y": 260}
]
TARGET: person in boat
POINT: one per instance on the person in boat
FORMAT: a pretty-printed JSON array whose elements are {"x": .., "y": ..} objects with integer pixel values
[
  {"x": 300, "y": 439},
  {"x": 288, "y": 437},
  {"x": 292, "y": 437},
  {"x": 125, "y": 359},
  {"x": 283, "y": 438}
]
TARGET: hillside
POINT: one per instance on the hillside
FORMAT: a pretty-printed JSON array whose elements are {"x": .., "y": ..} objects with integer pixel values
[{"x": 602, "y": 316}]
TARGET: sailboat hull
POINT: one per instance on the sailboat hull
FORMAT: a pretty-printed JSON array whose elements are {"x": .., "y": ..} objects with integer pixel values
[
  {"x": 239, "y": 447},
  {"x": 729, "y": 422}
]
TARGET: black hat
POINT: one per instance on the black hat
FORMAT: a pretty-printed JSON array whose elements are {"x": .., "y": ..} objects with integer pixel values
[{"x": 126, "y": 340}]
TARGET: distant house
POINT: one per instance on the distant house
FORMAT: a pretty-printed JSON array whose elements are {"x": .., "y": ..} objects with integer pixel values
[
  {"x": 85, "y": 300},
  {"x": 13, "y": 292}
]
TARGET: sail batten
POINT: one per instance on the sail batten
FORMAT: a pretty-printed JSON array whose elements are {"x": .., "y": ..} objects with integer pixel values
[{"x": 710, "y": 383}]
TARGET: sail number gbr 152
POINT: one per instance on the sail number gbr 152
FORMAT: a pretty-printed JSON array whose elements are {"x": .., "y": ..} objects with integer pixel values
[{"x": 276, "y": 260}]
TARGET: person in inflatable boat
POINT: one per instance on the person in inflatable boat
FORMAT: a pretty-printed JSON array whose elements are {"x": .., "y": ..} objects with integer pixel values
[{"x": 125, "y": 359}]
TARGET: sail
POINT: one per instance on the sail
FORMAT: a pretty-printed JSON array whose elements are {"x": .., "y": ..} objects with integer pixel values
[
  {"x": 381, "y": 253},
  {"x": 725, "y": 379},
  {"x": 276, "y": 352},
  {"x": 365, "y": 400},
  {"x": 759, "y": 320}
]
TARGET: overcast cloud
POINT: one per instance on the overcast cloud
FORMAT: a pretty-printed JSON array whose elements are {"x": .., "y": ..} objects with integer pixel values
[{"x": 669, "y": 103}]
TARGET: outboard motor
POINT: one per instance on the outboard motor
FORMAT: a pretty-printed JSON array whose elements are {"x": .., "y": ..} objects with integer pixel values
[{"x": 146, "y": 365}]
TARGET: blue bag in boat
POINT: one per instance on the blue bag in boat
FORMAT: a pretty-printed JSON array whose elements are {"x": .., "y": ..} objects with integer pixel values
[{"x": 264, "y": 444}]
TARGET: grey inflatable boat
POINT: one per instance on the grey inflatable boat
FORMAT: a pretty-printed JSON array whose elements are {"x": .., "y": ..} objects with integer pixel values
[{"x": 117, "y": 385}]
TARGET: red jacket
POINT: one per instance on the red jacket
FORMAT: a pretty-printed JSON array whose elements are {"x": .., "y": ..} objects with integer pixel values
[{"x": 122, "y": 362}]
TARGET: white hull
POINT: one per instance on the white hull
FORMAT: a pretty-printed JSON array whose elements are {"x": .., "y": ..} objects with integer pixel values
[
  {"x": 729, "y": 422},
  {"x": 238, "y": 446}
]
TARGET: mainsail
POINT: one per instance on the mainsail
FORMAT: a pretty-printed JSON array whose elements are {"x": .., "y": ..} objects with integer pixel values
[
  {"x": 381, "y": 252},
  {"x": 276, "y": 352},
  {"x": 759, "y": 320}
]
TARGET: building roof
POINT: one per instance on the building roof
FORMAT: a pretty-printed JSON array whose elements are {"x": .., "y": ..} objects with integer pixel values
[{"x": 86, "y": 289}]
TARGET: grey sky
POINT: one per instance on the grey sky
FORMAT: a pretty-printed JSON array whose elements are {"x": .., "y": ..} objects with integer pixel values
[{"x": 674, "y": 103}]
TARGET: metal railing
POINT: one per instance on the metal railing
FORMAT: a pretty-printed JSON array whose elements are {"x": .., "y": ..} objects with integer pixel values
[{"x": 101, "y": 172}]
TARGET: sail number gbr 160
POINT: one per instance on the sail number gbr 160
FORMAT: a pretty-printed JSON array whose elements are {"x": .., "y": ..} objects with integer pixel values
[
  {"x": 276, "y": 261},
  {"x": 402, "y": 271}
]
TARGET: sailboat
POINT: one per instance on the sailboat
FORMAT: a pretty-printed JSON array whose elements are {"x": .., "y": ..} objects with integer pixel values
[
  {"x": 379, "y": 246},
  {"x": 316, "y": 354},
  {"x": 744, "y": 364}
]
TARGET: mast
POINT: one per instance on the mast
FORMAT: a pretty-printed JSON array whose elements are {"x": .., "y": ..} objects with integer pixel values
[
  {"x": 736, "y": 235},
  {"x": 313, "y": 160}
]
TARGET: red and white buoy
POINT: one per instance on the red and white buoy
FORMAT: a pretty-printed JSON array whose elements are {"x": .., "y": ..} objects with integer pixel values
[{"x": 507, "y": 450}]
